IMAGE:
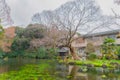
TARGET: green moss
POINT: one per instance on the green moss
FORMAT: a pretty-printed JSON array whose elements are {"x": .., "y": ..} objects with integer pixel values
[
  {"x": 29, "y": 72},
  {"x": 96, "y": 63}
]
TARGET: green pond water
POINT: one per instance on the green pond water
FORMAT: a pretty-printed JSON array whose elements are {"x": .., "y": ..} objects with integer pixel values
[{"x": 32, "y": 69}]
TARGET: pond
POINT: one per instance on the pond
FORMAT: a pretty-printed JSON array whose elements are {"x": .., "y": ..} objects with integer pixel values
[{"x": 35, "y": 69}]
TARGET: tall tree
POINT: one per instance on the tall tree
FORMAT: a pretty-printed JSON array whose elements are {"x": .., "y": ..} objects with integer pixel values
[
  {"x": 46, "y": 18},
  {"x": 1, "y": 30},
  {"x": 53, "y": 36},
  {"x": 1, "y": 34},
  {"x": 5, "y": 13},
  {"x": 72, "y": 17},
  {"x": 117, "y": 1},
  {"x": 116, "y": 14},
  {"x": 34, "y": 31}
]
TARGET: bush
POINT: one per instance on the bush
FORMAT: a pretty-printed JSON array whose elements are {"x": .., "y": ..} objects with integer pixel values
[
  {"x": 34, "y": 31},
  {"x": 14, "y": 54},
  {"x": 41, "y": 53},
  {"x": 52, "y": 53},
  {"x": 92, "y": 56},
  {"x": 20, "y": 44},
  {"x": 109, "y": 49},
  {"x": 118, "y": 51},
  {"x": 2, "y": 54},
  {"x": 46, "y": 53},
  {"x": 90, "y": 48}
]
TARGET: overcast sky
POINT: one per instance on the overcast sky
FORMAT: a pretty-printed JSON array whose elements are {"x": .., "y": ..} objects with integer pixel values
[{"x": 22, "y": 10}]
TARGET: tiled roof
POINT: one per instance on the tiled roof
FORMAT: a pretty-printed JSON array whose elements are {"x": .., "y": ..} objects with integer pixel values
[{"x": 102, "y": 33}]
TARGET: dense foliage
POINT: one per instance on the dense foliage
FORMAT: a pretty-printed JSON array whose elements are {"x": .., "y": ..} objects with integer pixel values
[
  {"x": 19, "y": 31},
  {"x": 41, "y": 53},
  {"x": 2, "y": 54},
  {"x": 90, "y": 51},
  {"x": 90, "y": 48},
  {"x": 28, "y": 43},
  {"x": 109, "y": 49},
  {"x": 34, "y": 31},
  {"x": 20, "y": 44},
  {"x": 118, "y": 52}
]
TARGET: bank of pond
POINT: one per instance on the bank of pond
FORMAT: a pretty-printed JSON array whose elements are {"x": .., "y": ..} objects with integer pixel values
[
  {"x": 52, "y": 69},
  {"x": 96, "y": 63}
]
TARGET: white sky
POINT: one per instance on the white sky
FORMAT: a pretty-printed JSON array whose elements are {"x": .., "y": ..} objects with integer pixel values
[{"x": 22, "y": 10}]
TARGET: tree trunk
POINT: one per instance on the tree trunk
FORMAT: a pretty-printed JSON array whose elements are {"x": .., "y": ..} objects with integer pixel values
[{"x": 73, "y": 53}]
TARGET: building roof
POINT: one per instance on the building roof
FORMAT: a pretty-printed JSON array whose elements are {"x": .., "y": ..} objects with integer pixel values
[
  {"x": 64, "y": 49},
  {"x": 102, "y": 33}
]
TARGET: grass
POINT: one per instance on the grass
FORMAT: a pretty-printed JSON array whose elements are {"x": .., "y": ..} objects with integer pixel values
[{"x": 96, "y": 63}]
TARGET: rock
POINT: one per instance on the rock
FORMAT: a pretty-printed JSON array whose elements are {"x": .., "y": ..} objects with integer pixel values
[
  {"x": 115, "y": 64},
  {"x": 104, "y": 66},
  {"x": 71, "y": 63},
  {"x": 90, "y": 65}
]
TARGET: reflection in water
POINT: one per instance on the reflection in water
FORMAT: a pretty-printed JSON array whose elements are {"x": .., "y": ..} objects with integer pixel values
[
  {"x": 85, "y": 73},
  {"x": 61, "y": 71},
  {"x": 14, "y": 64},
  {"x": 73, "y": 72},
  {"x": 3, "y": 69}
]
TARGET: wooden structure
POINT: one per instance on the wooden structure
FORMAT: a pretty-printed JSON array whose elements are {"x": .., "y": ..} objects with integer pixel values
[{"x": 63, "y": 52}]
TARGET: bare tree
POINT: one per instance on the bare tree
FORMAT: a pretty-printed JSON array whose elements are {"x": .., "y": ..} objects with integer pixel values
[
  {"x": 53, "y": 34},
  {"x": 72, "y": 17},
  {"x": 52, "y": 37},
  {"x": 46, "y": 18},
  {"x": 117, "y": 1},
  {"x": 5, "y": 13},
  {"x": 116, "y": 15},
  {"x": 1, "y": 34}
]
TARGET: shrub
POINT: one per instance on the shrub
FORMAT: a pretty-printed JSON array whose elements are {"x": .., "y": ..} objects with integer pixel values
[
  {"x": 52, "y": 52},
  {"x": 109, "y": 48},
  {"x": 118, "y": 51},
  {"x": 2, "y": 54},
  {"x": 90, "y": 48},
  {"x": 20, "y": 44},
  {"x": 92, "y": 56},
  {"x": 14, "y": 54},
  {"x": 41, "y": 53}
]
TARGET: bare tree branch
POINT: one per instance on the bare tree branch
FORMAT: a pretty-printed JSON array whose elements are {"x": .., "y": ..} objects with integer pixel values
[
  {"x": 5, "y": 13},
  {"x": 71, "y": 17}
]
